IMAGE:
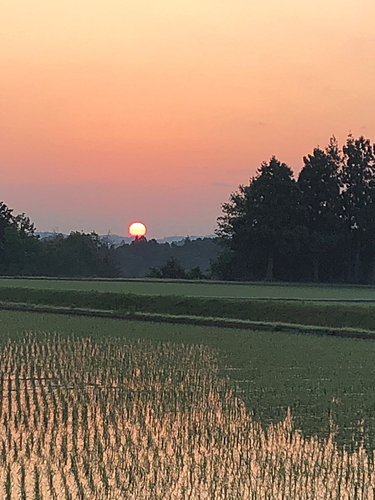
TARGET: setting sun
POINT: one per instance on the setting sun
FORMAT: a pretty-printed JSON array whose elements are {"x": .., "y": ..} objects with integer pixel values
[{"x": 137, "y": 229}]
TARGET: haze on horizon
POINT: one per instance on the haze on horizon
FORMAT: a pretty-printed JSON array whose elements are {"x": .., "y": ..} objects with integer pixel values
[{"x": 156, "y": 111}]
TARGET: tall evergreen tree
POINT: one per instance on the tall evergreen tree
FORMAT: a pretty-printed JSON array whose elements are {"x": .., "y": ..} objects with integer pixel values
[
  {"x": 320, "y": 187},
  {"x": 262, "y": 223},
  {"x": 19, "y": 248},
  {"x": 358, "y": 179},
  {"x": 5, "y": 218}
]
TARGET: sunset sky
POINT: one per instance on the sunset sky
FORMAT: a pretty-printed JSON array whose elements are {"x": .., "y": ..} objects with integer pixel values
[{"x": 113, "y": 111}]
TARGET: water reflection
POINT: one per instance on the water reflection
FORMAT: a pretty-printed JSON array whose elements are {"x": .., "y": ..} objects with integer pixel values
[{"x": 84, "y": 419}]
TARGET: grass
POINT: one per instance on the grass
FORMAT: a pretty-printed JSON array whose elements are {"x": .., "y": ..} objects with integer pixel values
[
  {"x": 182, "y": 319},
  {"x": 201, "y": 289},
  {"x": 321, "y": 314}
]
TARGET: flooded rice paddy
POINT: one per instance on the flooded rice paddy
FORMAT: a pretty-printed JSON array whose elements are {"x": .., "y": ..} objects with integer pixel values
[{"x": 88, "y": 415}]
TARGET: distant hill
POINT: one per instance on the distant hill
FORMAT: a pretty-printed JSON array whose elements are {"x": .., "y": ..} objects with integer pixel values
[
  {"x": 180, "y": 239},
  {"x": 118, "y": 240},
  {"x": 48, "y": 235},
  {"x": 114, "y": 239}
]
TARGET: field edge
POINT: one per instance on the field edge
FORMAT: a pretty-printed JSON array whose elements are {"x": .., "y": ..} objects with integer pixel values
[{"x": 217, "y": 322}]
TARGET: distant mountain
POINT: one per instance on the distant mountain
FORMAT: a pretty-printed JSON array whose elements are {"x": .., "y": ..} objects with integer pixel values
[
  {"x": 117, "y": 240},
  {"x": 181, "y": 239},
  {"x": 47, "y": 235}
]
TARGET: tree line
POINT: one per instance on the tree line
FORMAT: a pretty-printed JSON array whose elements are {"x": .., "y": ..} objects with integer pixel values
[
  {"x": 317, "y": 227},
  {"x": 22, "y": 253},
  {"x": 187, "y": 259}
]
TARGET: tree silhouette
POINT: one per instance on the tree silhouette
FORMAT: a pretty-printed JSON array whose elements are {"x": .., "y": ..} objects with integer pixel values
[
  {"x": 263, "y": 222},
  {"x": 319, "y": 183},
  {"x": 172, "y": 269},
  {"x": 358, "y": 179}
]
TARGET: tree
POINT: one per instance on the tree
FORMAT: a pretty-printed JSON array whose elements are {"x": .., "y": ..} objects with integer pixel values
[
  {"x": 5, "y": 218},
  {"x": 80, "y": 254},
  {"x": 263, "y": 223},
  {"x": 195, "y": 273},
  {"x": 20, "y": 250},
  {"x": 319, "y": 183},
  {"x": 358, "y": 180},
  {"x": 172, "y": 269}
]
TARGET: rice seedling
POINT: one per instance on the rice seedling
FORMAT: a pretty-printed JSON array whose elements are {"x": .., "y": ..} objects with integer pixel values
[{"x": 86, "y": 419}]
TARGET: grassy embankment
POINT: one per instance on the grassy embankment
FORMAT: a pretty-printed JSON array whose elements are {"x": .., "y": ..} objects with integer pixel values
[
  {"x": 251, "y": 313},
  {"x": 243, "y": 290}
]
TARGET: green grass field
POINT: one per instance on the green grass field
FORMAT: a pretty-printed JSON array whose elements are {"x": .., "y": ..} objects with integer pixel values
[
  {"x": 319, "y": 314},
  {"x": 201, "y": 289}
]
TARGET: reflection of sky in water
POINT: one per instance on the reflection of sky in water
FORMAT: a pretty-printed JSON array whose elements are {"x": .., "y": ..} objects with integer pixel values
[{"x": 146, "y": 419}]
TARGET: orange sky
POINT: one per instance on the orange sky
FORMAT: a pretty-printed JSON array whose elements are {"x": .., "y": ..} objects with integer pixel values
[{"x": 113, "y": 111}]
